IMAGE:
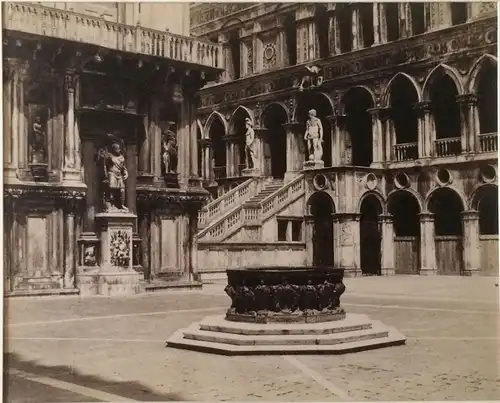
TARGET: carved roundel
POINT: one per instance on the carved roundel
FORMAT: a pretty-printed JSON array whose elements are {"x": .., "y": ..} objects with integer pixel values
[
  {"x": 371, "y": 181},
  {"x": 401, "y": 180},
  {"x": 269, "y": 52},
  {"x": 320, "y": 182},
  {"x": 488, "y": 173},
  {"x": 443, "y": 177}
]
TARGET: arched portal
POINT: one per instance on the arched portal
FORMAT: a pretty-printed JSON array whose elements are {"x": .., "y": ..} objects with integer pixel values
[
  {"x": 447, "y": 207},
  {"x": 237, "y": 128},
  {"x": 487, "y": 98},
  {"x": 370, "y": 236},
  {"x": 274, "y": 117},
  {"x": 405, "y": 209},
  {"x": 323, "y": 107},
  {"x": 321, "y": 208},
  {"x": 446, "y": 112},
  {"x": 403, "y": 97},
  {"x": 216, "y": 134},
  {"x": 487, "y": 205},
  {"x": 357, "y": 101}
]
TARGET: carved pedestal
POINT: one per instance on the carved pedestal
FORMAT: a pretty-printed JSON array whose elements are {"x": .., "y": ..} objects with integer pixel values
[
  {"x": 250, "y": 172},
  {"x": 314, "y": 164},
  {"x": 115, "y": 273},
  {"x": 39, "y": 171}
]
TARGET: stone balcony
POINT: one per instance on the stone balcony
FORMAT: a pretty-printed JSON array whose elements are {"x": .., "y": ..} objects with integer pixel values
[{"x": 37, "y": 19}]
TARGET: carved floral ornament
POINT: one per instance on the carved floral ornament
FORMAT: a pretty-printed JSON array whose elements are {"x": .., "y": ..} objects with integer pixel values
[{"x": 119, "y": 248}]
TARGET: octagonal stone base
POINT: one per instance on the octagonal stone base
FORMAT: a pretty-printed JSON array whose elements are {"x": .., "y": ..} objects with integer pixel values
[{"x": 356, "y": 332}]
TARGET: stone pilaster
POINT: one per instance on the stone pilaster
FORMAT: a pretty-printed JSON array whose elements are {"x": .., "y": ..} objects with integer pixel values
[
  {"x": 69, "y": 247},
  {"x": 388, "y": 266},
  {"x": 226, "y": 59},
  {"x": 193, "y": 246},
  {"x": 10, "y": 119},
  {"x": 336, "y": 139},
  {"x": 376, "y": 24},
  {"x": 232, "y": 156},
  {"x": 348, "y": 243},
  {"x": 294, "y": 156},
  {"x": 382, "y": 23},
  {"x": 472, "y": 253},
  {"x": 336, "y": 30},
  {"x": 427, "y": 245},
  {"x": 144, "y": 172},
  {"x": 72, "y": 163},
  {"x": 308, "y": 236}
]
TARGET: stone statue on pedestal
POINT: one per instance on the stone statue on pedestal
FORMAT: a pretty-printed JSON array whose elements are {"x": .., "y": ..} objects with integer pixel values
[
  {"x": 314, "y": 137},
  {"x": 250, "y": 146},
  {"x": 169, "y": 152},
  {"x": 115, "y": 174},
  {"x": 37, "y": 142}
]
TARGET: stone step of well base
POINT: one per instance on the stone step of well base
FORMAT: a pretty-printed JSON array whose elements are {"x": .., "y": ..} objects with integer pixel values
[
  {"x": 159, "y": 285},
  {"x": 337, "y": 343},
  {"x": 353, "y": 322}
]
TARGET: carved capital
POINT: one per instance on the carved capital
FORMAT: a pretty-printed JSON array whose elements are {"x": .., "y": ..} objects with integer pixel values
[
  {"x": 471, "y": 215},
  {"x": 423, "y": 106},
  {"x": 426, "y": 217},
  {"x": 467, "y": 99},
  {"x": 70, "y": 81}
]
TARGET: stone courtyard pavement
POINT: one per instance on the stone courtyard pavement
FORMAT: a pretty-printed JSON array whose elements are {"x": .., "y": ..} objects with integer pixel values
[{"x": 69, "y": 349}]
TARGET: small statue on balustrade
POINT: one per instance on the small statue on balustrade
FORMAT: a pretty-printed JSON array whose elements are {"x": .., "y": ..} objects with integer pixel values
[
  {"x": 37, "y": 145},
  {"x": 250, "y": 145},
  {"x": 312, "y": 79},
  {"x": 114, "y": 176},
  {"x": 314, "y": 136},
  {"x": 169, "y": 152}
]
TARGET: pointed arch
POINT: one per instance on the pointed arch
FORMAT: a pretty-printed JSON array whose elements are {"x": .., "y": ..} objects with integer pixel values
[
  {"x": 438, "y": 72},
  {"x": 238, "y": 110},
  {"x": 362, "y": 87},
  {"x": 278, "y": 104},
  {"x": 306, "y": 99},
  {"x": 387, "y": 92},
  {"x": 478, "y": 193},
  {"x": 215, "y": 116},
  {"x": 475, "y": 72},
  {"x": 200, "y": 128}
]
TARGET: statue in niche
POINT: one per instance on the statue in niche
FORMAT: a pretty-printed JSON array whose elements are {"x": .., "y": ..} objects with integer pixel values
[
  {"x": 115, "y": 174},
  {"x": 312, "y": 79},
  {"x": 169, "y": 151},
  {"x": 314, "y": 137},
  {"x": 38, "y": 141},
  {"x": 250, "y": 145}
]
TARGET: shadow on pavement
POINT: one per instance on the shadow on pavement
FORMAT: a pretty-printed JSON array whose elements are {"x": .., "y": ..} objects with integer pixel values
[{"x": 131, "y": 390}]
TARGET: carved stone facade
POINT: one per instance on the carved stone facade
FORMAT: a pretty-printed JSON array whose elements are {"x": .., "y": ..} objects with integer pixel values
[
  {"x": 398, "y": 103},
  {"x": 83, "y": 213}
]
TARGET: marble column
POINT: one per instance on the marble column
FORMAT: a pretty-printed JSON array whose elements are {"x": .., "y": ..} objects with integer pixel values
[
  {"x": 308, "y": 236},
  {"x": 427, "y": 245},
  {"x": 145, "y": 150},
  {"x": 468, "y": 111},
  {"x": 154, "y": 133},
  {"x": 355, "y": 25},
  {"x": 332, "y": 41},
  {"x": 425, "y": 135},
  {"x": 472, "y": 252},
  {"x": 193, "y": 142},
  {"x": 131, "y": 184},
  {"x": 335, "y": 151},
  {"x": 390, "y": 138},
  {"x": 378, "y": 137},
  {"x": 10, "y": 138},
  {"x": 144, "y": 225},
  {"x": 376, "y": 24},
  {"x": 388, "y": 266},
  {"x": 90, "y": 174},
  {"x": 23, "y": 117},
  {"x": 193, "y": 246},
  {"x": 382, "y": 23},
  {"x": 336, "y": 28}
]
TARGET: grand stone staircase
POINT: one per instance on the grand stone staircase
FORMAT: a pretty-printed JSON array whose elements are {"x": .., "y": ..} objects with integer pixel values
[{"x": 249, "y": 204}]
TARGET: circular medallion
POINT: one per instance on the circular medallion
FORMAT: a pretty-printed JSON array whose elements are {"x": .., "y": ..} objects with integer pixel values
[
  {"x": 488, "y": 173},
  {"x": 443, "y": 177},
  {"x": 320, "y": 182},
  {"x": 401, "y": 180},
  {"x": 371, "y": 181}
]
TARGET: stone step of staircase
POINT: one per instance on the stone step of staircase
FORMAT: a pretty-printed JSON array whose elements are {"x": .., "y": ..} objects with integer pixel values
[
  {"x": 159, "y": 285},
  {"x": 377, "y": 336}
]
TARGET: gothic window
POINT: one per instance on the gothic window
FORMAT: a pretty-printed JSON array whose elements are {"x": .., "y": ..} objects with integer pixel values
[
  {"x": 234, "y": 45},
  {"x": 321, "y": 21},
  {"x": 392, "y": 21},
  {"x": 458, "y": 13},
  {"x": 344, "y": 20},
  {"x": 487, "y": 99},
  {"x": 291, "y": 39},
  {"x": 445, "y": 108},
  {"x": 366, "y": 16},
  {"x": 417, "y": 18}
]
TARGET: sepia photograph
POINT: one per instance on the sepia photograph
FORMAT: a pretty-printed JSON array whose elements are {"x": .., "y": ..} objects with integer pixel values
[{"x": 250, "y": 201}]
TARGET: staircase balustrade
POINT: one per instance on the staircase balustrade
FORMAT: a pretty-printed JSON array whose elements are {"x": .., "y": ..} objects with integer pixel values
[
  {"x": 229, "y": 200},
  {"x": 38, "y": 19}
]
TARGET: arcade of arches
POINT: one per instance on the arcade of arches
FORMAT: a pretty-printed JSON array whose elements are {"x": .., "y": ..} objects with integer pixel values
[
  {"x": 445, "y": 237},
  {"x": 445, "y": 117}
]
